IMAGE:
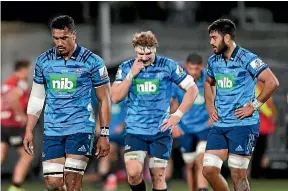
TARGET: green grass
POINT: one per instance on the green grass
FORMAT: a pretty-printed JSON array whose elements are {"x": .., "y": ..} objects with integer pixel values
[{"x": 256, "y": 185}]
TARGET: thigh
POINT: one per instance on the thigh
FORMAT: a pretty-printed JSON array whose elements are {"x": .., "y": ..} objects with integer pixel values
[
  {"x": 242, "y": 139},
  {"x": 187, "y": 143},
  {"x": 82, "y": 144},
  {"x": 161, "y": 146},
  {"x": 216, "y": 139},
  {"x": 53, "y": 147},
  {"x": 135, "y": 143}
]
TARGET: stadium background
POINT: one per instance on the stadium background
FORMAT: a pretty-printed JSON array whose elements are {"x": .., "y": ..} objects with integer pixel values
[{"x": 181, "y": 28}]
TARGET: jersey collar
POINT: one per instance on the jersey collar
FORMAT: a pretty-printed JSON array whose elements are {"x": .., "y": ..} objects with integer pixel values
[
  {"x": 74, "y": 55},
  {"x": 234, "y": 53}
]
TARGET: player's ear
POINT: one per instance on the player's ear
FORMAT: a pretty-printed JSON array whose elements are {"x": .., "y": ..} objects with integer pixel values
[{"x": 227, "y": 38}]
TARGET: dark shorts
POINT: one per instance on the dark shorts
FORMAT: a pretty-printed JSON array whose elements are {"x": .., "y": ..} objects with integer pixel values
[
  {"x": 76, "y": 144},
  {"x": 118, "y": 139},
  {"x": 12, "y": 136},
  {"x": 159, "y": 145},
  {"x": 240, "y": 140},
  {"x": 188, "y": 141}
]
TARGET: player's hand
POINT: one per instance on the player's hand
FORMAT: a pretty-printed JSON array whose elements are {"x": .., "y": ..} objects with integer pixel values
[
  {"x": 137, "y": 67},
  {"x": 245, "y": 111},
  {"x": 210, "y": 122},
  {"x": 119, "y": 129},
  {"x": 177, "y": 132},
  {"x": 28, "y": 143},
  {"x": 213, "y": 114},
  {"x": 171, "y": 122},
  {"x": 102, "y": 147}
]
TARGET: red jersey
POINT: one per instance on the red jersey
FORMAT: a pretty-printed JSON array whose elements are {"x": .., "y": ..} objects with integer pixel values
[{"x": 8, "y": 116}]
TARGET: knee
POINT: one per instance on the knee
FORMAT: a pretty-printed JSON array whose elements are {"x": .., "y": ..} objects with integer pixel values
[
  {"x": 72, "y": 181},
  {"x": 134, "y": 173},
  {"x": 158, "y": 176},
  {"x": 210, "y": 171},
  {"x": 54, "y": 183}
]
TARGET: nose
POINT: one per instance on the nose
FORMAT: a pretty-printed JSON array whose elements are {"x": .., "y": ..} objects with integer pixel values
[{"x": 59, "y": 43}]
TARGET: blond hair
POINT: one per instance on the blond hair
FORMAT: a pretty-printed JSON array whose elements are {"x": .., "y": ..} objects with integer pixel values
[{"x": 145, "y": 39}]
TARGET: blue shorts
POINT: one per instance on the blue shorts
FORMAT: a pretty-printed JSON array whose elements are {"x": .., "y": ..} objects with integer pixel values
[
  {"x": 119, "y": 139},
  {"x": 159, "y": 145},
  {"x": 76, "y": 144},
  {"x": 239, "y": 140},
  {"x": 188, "y": 141}
]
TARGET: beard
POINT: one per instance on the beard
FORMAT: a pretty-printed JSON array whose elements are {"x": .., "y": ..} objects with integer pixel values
[{"x": 221, "y": 48}]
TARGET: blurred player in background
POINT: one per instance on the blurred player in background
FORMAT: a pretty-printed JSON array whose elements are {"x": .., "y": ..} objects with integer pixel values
[
  {"x": 107, "y": 166},
  {"x": 234, "y": 71},
  {"x": 195, "y": 125},
  {"x": 147, "y": 81},
  {"x": 14, "y": 98},
  {"x": 65, "y": 76}
]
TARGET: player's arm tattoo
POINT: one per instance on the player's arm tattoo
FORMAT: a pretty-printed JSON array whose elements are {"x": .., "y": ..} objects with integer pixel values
[{"x": 243, "y": 185}]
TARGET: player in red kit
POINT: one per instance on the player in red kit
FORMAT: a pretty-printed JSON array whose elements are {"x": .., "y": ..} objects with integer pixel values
[{"x": 14, "y": 98}]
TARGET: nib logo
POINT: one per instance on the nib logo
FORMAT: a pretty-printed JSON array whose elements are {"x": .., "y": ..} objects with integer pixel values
[
  {"x": 146, "y": 86},
  {"x": 61, "y": 83},
  {"x": 225, "y": 81}
]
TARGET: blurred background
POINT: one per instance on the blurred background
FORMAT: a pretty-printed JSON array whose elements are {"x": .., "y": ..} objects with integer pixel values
[{"x": 106, "y": 28}]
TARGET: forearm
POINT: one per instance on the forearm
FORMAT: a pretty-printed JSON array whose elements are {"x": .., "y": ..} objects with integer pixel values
[
  {"x": 208, "y": 95},
  {"x": 31, "y": 122},
  {"x": 104, "y": 112},
  {"x": 188, "y": 99},
  {"x": 120, "y": 90}
]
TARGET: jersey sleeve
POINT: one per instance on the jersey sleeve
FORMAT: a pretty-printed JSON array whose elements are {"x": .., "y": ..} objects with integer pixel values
[
  {"x": 38, "y": 73},
  {"x": 178, "y": 73},
  {"x": 99, "y": 73},
  {"x": 174, "y": 91},
  {"x": 210, "y": 70},
  {"x": 255, "y": 66},
  {"x": 121, "y": 73}
]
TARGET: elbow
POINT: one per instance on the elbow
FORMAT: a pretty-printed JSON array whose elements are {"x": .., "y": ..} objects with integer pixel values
[
  {"x": 114, "y": 99},
  {"x": 274, "y": 83}
]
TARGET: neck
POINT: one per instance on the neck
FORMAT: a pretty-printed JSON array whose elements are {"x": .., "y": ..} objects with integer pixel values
[
  {"x": 229, "y": 51},
  {"x": 70, "y": 53}
]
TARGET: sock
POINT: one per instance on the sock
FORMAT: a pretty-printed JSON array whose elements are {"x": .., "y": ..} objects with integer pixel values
[
  {"x": 159, "y": 190},
  {"x": 202, "y": 189},
  {"x": 139, "y": 187},
  {"x": 17, "y": 185}
]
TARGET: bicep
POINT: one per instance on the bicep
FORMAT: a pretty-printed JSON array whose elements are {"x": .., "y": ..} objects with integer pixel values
[{"x": 266, "y": 75}]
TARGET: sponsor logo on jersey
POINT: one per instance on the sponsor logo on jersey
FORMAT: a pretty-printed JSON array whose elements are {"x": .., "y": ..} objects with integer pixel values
[
  {"x": 146, "y": 86},
  {"x": 63, "y": 83},
  {"x": 225, "y": 81}
]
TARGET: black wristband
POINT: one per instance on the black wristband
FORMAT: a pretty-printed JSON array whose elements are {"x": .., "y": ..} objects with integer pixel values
[{"x": 104, "y": 131}]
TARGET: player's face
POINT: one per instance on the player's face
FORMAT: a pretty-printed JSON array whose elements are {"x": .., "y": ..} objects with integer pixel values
[
  {"x": 146, "y": 58},
  {"x": 194, "y": 69},
  {"x": 217, "y": 41},
  {"x": 64, "y": 40}
]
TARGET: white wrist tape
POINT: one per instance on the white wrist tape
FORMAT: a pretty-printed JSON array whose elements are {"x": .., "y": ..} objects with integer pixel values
[
  {"x": 256, "y": 104},
  {"x": 130, "y": 76},
  {"x": 36, "y": 100},
  {"x": 178, "y": 113}
]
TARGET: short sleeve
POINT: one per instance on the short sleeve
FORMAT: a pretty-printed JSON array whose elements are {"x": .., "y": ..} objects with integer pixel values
[
  {"x": 255, "y": 66},
  {"x": 38, "y": 73},
  {"x": 99, "y": 73},
  {"x": 210, "y": 70},
  {"x": 121, "y": 73},
  {"x": 178, "y": 73}
]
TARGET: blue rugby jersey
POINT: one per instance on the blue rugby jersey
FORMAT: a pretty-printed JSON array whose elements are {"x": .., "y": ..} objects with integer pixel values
[
  {"x": 235, "y": 85},
  {"x": 68, "y": 85},
  {"x": 148, "y": 99}
]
